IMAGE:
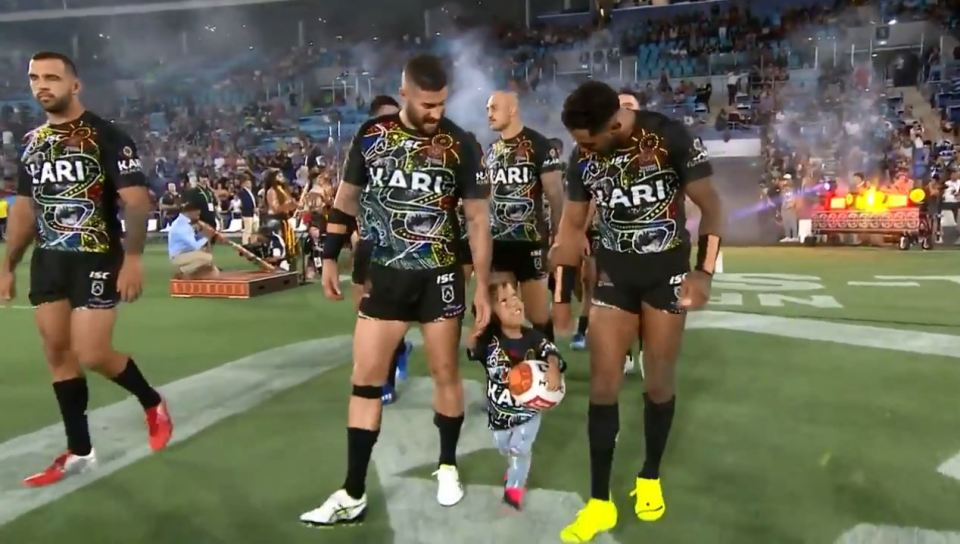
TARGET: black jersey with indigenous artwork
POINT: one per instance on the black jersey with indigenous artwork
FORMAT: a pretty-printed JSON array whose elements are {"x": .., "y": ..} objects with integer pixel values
[
  {"x": 73, "y": 172},
  {"x": 638, "y": 189},
  {"x": 413, "y": 182},
  {"x": 514, "y": 167},
  {"x": 498, "y": 354}
]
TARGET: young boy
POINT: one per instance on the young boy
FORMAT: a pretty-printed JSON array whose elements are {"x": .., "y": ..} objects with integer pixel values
[{"x": 504, "y": 343}]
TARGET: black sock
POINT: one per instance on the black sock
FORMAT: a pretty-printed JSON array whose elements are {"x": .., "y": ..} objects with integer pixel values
[
  {"x": 657, "y": 419},
  {"x": 640, "y": 344},
  {"x": 546, "y": 329},
  {"x": 359, "y": 449},
  {"x": 582, "y": 324},
  {"x": 449, "y": 428},
  {"x": 72, "y": 395},
  {"x": 133, "y": 381},
  {"x": 630, "y": 354},
  {"x": 603, "y": 424}
]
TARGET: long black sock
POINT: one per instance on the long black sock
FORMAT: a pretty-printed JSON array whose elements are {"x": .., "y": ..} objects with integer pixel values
[
  {"x": 133, "y": 381},
  {"x": 657, "y": 419},
  {"x": 359, "y": 449},
  {"x": 72, "y": 395},
  {"x": 603, "y": 424},
  {"x": 546, "y": 329},
  {"x": 582, "y": 324},
  {"x": 449, "y": 428}
]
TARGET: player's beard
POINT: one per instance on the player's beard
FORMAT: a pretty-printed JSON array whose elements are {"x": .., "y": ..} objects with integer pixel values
[
  {"x": 421, "y": 123},
  {"x": 57, "y": 105}
]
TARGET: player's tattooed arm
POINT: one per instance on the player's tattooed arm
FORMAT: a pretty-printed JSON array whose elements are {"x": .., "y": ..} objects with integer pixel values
[
  {"x": 704, "y": 195},
  {"x": 136, "y": 211},
  {"x": 477, "y": 212},
  {"x": 21, "y": 230},
  {"x": 553, "y": 190}
]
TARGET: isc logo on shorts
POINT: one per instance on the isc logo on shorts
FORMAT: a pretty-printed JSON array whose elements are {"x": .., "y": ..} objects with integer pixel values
[
  {"x": 678, "y": 279},
  {"x": 99, "y": 275},
  {"x": 446, "y": 278}
]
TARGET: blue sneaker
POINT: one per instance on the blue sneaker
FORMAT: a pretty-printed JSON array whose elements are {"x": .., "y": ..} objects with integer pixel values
[
  {"x": 402, "y": 361},
  {"x": 389, "y": 395},
  {"x": 578, "y": 342}
]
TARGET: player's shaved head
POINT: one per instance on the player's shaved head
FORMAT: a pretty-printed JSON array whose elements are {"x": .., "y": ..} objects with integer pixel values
[{"x": 503, "y": 110}]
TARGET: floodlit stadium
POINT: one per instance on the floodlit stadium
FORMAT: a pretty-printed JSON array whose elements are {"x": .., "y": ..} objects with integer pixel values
[{"x": 816, "y": 392}]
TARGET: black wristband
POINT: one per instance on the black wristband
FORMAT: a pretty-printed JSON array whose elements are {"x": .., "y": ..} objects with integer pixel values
[
  {"x": 333, "y": 243},
  {"x": 708, "y": 249}
]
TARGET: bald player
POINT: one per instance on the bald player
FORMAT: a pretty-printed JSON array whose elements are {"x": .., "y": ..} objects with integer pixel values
[{"x": 522, "y": 167}]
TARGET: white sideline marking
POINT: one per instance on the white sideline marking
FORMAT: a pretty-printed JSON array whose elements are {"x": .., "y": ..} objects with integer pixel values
[
  {"x": 889, "y": 534},
  {"x": 883, "y": 284},
  {"x": 196, "y": 403},
  {"x": 856, "y": 335},
  {"x": 409, "y": 439}
]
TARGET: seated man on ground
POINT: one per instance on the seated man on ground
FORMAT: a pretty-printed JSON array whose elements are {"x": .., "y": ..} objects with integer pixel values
[{"x": 187, "y": 240}]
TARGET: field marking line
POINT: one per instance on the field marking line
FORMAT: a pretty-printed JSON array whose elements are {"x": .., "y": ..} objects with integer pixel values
[
  {"x": 196, "y": 403},
  {"x": 408, "y": 439}
]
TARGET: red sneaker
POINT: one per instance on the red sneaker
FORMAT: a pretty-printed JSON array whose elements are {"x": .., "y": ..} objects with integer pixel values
[
  {"x": 514, "y": 496},
  {"x": 159, "y": 426},
  {"x": 67, "y": 464}
]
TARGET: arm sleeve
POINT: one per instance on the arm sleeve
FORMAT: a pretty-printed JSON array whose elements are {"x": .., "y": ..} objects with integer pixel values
[
  {"x": 355, "y": 168},
  {"x": 548, "y": 348},
  {"x": 690, "y": 159},
  {"x": 471, "y": 178},
  {"x": 199, "y": 241},
  {"x": 122, "y": 162},
  {"x": 24, "y": 181},
  {"x": 576, "y": 191},
  {"x": 547, "y": 157}
]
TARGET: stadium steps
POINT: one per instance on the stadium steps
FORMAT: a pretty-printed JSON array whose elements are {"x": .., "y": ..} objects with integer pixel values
[{"x": 923, "y": 111}]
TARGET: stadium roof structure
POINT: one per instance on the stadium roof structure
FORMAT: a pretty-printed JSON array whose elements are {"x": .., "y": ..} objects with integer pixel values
[{"x": 18, "y": 11}]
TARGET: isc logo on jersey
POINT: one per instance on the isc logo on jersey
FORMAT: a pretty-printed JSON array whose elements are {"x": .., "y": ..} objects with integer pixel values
[
  {"x": 413, "y": 181},
  {"x": 512, "y": 175},
  {"x": 61, "y": 171}
]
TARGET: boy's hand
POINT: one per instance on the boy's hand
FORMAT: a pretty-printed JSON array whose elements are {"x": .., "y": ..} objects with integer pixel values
[{"x": 554, "y": 379}]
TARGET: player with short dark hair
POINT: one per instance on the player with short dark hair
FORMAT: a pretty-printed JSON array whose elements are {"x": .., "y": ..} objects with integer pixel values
[
  {"x": 73, "y": 171},
  {"x": 363, "y": 246},
  {"x": 413, "y": 167},
  {"x": 637, "y": 166},
  {"x": 523, "y": 169},
  {"x": 383, "y": 105}
]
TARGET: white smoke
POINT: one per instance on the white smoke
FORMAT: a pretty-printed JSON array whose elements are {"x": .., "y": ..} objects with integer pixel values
[{"x": 472, "y": 84}]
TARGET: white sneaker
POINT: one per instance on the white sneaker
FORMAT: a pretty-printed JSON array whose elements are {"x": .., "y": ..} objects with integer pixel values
[
  {"x": 449, "y": 490},
  {"x": 629, "y": 366},
  {"x": 643, "y": 374},
  {"x": 339, "y": 509}
]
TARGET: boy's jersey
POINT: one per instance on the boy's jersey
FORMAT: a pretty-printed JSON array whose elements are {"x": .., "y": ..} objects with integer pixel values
[{"x": 498, "y": 355}]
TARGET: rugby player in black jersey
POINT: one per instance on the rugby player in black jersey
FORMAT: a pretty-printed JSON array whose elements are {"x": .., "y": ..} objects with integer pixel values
[
  {"x": 636, "y": 166},
  {"x": 522, "y": 168},
  {"x": 72, "y": 173},
  {"x": 363, "y": 246},
  {"x": 414, "y": 168}
]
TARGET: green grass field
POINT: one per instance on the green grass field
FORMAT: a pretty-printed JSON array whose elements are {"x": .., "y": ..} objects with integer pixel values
[{"x": 779, "y": 438}]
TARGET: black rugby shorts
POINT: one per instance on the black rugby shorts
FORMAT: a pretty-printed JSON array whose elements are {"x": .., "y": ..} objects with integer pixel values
[
  {"x": 361, "y": 261},
  {"x": 464, "y": 254},
  {"x": 86, "y": 280},
  {"x": 525, "y": 260},
  {"x": 625, "y": 281},
  {"x": 414, "y": 296}
]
